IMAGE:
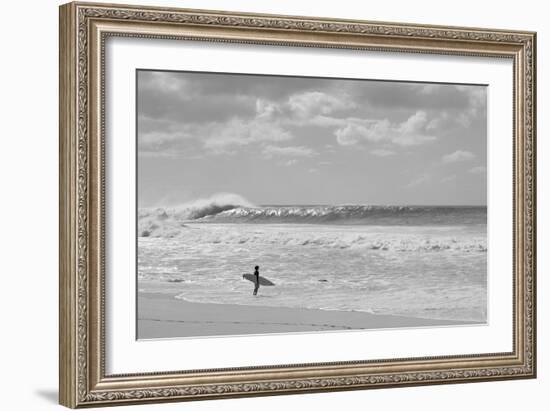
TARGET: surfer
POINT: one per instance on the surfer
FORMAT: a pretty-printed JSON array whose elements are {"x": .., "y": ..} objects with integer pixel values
[{"x": 257, "y": 278}]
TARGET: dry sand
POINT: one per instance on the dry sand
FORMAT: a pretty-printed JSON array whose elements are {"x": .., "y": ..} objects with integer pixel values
[{"x": 160, "y": 315}]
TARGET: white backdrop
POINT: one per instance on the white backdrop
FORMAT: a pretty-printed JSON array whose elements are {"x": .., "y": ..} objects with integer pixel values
[{"x": 28, "y": 215}]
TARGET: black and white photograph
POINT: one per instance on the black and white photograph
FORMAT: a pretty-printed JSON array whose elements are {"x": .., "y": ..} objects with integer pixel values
[{"x": 277, "y": 204}]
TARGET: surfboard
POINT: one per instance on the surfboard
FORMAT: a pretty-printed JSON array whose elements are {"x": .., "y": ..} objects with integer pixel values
[{"x": 263, "y": 281}]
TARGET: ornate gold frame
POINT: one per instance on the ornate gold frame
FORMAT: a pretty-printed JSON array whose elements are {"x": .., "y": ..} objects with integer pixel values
[{"x": 83, "y": 30}]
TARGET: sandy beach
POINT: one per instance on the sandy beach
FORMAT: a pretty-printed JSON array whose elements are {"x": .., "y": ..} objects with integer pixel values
[{"x": 160, "y": 315}]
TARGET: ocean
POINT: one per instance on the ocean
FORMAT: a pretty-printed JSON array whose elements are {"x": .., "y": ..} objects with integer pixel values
[{"x": 418, "y": 261}]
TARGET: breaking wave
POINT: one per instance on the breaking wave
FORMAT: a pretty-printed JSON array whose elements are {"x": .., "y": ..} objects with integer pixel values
[
  {"x": 228, "y": 208},
  {"x": 170, "y": 221},
  {"x": 353, "y": 214}
]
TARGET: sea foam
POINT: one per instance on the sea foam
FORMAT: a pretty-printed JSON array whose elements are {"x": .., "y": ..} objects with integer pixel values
[{"x": 170, "y": 221}]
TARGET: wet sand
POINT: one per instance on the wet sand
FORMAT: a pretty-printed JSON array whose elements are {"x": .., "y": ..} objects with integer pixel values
[{"x": 160, "y": 315}]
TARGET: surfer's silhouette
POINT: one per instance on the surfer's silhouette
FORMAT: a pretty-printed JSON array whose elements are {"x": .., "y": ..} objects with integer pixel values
[{"x": 257, "y": 278}]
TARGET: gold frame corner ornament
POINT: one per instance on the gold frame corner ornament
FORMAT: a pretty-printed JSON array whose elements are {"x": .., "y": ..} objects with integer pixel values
[{"x": 83, "y": 30}]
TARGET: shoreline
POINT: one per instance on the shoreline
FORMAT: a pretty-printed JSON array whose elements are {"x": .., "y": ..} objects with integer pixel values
[{"x": 160, "y": 315}]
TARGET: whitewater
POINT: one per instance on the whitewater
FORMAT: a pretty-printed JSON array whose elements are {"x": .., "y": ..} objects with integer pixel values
[{"x": 419, "y": 261}]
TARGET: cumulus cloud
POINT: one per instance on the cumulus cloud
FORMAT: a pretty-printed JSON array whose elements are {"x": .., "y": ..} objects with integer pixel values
[
  {"x": 410, "y": 132},
  {"x": 477, "y": 103},
  {"x": 452, "y": 105},
  {"x": 167, "y": 140},
  {"x": 457, "y": 156},
  {"x": 239, "y": 132},
  {"x": 267, "y": 110},
  {"x": 371, "y": 131},
  {"x": 312, "y": 103},
  {"x": 270, "y": 122},
  {"x": 290, "y": 151},
  {"x": 413, "y": 130},
  {"x": 305, "y": 109}
]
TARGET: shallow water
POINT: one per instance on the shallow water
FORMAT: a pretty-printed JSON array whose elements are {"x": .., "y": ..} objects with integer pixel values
[{"x": 421, "y": 271}]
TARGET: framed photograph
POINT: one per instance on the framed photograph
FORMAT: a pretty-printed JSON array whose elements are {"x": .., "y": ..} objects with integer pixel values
[{"x": 259, "y": 204}]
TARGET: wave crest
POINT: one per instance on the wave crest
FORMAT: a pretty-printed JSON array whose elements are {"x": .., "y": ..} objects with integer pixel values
[
  {"x": 169, "y": 222},
  {"x": 353, "y": 214},
  {"x": 227, "y": 208}
]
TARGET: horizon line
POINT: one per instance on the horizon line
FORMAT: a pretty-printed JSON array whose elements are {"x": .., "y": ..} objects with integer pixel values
[{"x": 330, "y": 205}]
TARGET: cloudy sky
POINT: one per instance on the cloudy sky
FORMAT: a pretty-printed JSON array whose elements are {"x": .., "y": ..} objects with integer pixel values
[{"x": 295, "y": 140}]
